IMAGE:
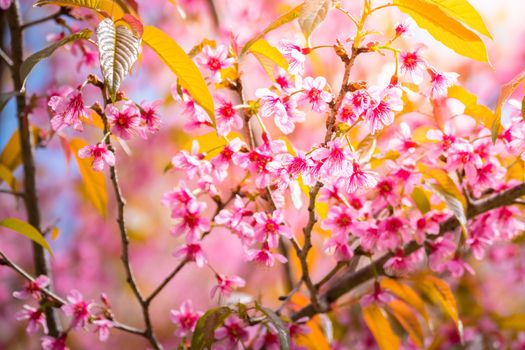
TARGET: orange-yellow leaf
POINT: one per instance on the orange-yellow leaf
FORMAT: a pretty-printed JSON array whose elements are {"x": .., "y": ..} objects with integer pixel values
[
  {"x": 181, "y": 64},
  {"x": 465, "y": 13},
  {"x": 380, "y": 327},
  {"x": 27, "y": 230},
  {"x": 440, "y": 293},
  {"x": 105, "y": 6},
  {"x": 405, "y": 293},
  {"x": 408, "y": 320},
  {"x": 11, "y": 156},
  {"x": 506, "y": 92},
  {"x": 444, "y": 28},
  {"x": 93, "y": 181}
]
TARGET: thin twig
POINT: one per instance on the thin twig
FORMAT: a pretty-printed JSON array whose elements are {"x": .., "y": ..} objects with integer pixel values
[
  {"x": 58, "y": 300},
  {"x": 166, "y": 281},
  {"x": 54, "y": 16},
  {"x": 13, "y": 193},
  {"x": 6, "y": 58}
]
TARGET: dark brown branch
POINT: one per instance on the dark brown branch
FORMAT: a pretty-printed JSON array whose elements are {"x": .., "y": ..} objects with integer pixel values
[
  {"x": 40, "y": 257},
  {"x": 214, "y": 13},
  {"x": 13, "y": 193},
  {"x": 354, "y": 279}
]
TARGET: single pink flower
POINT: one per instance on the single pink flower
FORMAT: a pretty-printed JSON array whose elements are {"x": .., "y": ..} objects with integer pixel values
[
  {"x": 265, "y": 256},
  {"x": 36, "y": 318},
  {"x": 226, "y": 117},
  {"x": 214, "y": 60},
  {"x": 33, "y": 288},
  {"x": 440, "y": 82},
  {"x": 77, "y": 309},
  {"x": 102, "y": 327},
  {"x": 226, "y": 284},
  {"x": 385, "y": 102},
  {"x": 185, "y": 319},
  {"x": 100, "y": 154},
  {"x": 124, "y": 122},
  {"x": 192, "y": 252},
  {"x": 269, "y": 226},
  {"x": 68, "y": 110},
  {"x": 191, "y": 221},
  {"x": 412, "y": 63},
  {"x": 315, "y": 95},
  {"x": 50, "y": 343},
  {"x": 149, "y": 120},
  {"x": 359, "y": 179},
  {"x": 294, "y": 54}
]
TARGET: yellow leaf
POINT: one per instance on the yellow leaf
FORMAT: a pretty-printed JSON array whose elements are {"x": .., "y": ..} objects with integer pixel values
[
  {"x": 506, "y": 92},
  {"x": 514, "y": 322},
  {"x": 107, "y": 6},
  {"x": 408, "y": 320},
  {"x": 94, "y": 181},
  {"x": 421, "y": 199},
  {"x": 479, "y": 112},
  {"x": 27, "y": 230},
  {"x": 380, "y": 327},
  {"x": 181, "y": 64},
  {"x": 261, "y": 49},
  {"x": 439, "y": 292},
  {"x": 7, "y": 176},
  {"x": 11, "y": 156},
  {"x": 405, "y": 293},
  {"x": 463, "y": 95},
  {"x": 287, "y": 17},
  {"x": 448, "y": 191},
  {"x": 444, "y": 28},
  {"x": 464, "y": 12}
]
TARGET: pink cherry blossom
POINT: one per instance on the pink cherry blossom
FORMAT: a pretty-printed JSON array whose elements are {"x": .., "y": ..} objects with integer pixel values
[
  {"x": 77, "y": 309},
  {"x": 149, "y": 120},
  {"x": 412, "y": 63},
  {"x": 33, "y": 289},
  {"x": 385, "y": 102},
  {"x": 339, "y": 220},
  {"x": 270, "y": 226},
  {"x": 191, "y": 221},
  {"x": 294, "y": 54},
  {"x": 100, "y": 155},
  {"x": 185, "y": 319},
  {"x": 315, "y": 95},
  {"x": 192, "y": 252},
  {"x": 102, "y": 327},
  {"x": 226, "y": 117},
  {"x": 440, "y": 82},
  {"x": 68, "y": 110},
  {"x": 36, "y": 318},
  {"x": 5, "y": 4},
  {"x": 232, "y": 332},
  {"x": 226, "y": 284},
  {"x": 192, "y": 163},
  {"x": 339, "y": 247},
  {"x": 214, "y": 60},
  {"x": 265, "y": 256},
  {"x": 124, "y": 122},
  {"x": 335, "y": 158},
  {"x": 405, "y": 28},
  {"x": 359, "y": 179},
  {"x": 50, "y": 343},
  {"x": 378, "y": 296}
]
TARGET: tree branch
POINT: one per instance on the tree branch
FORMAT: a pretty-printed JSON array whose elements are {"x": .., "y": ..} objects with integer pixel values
[
  {"x": 354, "y": 279},
  {"x": 40, "y": 257},
  {"x": 54, "y": 16}
]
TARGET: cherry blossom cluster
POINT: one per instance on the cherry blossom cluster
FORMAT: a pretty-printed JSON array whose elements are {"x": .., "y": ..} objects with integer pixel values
[{"x": 82, "y": 315}]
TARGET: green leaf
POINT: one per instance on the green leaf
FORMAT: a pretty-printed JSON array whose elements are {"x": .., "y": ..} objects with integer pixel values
[
  {"x": 286, "y": 18},
  {"x": 282, "y": 330},
  {"x": 32, "y": 60},
  {"x": 102, "y": 6},
  {"x": 119, "y": 48},
  {"x": 27, "y": 230},
  {"x": 5, "y": 97},
  {"x": 94, "y": 181},
  {"x": 313, "y": 13},
  {"x": 181, "y": 64},
  {"x": 204, "y": 333},
  {"x": 506, "y": 92},
  {"x": 464, "y": 12},
  {"x": 444, "y": 28}
]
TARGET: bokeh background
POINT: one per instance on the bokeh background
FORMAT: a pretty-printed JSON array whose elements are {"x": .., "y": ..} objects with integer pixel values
[{"x": 87, "y": 248}]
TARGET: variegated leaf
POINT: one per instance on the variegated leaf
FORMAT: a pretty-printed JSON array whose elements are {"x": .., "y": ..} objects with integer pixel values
[{"x": 118, "y": 48}]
